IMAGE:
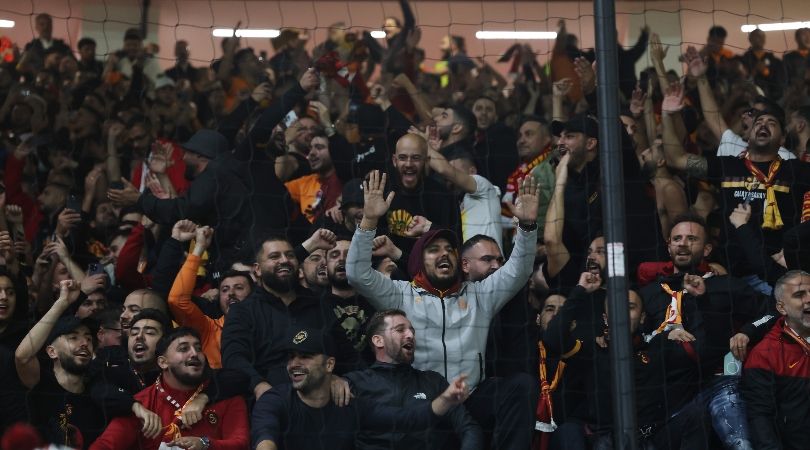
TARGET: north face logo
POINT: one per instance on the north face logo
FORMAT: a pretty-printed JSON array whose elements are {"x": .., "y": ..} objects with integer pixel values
[{"x": 420, "y": 396}]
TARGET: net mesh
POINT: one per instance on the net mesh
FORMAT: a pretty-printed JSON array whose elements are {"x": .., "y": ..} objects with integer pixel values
[{"x": 680, "y": 24}]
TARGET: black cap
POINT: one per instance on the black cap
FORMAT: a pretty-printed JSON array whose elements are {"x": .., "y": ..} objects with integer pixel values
[
  {"x": 208, "y": 143},
  {"x": 69, "y": 324},
  {"x": 310, "y": 341},
  {"x": 352, "y": 193},
  {"x": 580, "y": 123}
]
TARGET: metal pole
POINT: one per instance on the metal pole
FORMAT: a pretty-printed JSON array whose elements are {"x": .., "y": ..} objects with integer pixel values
[
  {"x": 614, "y": 221},
  {"x": 144, "y": 18}
]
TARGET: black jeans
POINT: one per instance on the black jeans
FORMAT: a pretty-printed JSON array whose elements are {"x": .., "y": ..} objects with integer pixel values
[{"x": 505, "y": 406}]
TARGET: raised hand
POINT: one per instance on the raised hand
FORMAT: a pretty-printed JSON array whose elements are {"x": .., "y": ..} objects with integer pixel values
[
  {"x": 262, "y": 92},
  {"x": 68, "y": 291},
  {"x": 561, "y": 88},
  {"x": 590, "y": 281},
  {"x": 561, "y": 172},
  {"x": 92, "y": 179},
  {"x": 375, "y": 205},
  {"x": 203, "y": 237},
  {"x": 383, "y": 246},
  {"x": 321, "y": 239},
  {"x": 160, "y": 158},
  {"x": 335, "y": 214},
  {"x": 14, "y": 214},
  {"x": 184, "y": 231},
  {"x": 586, "y": 73},
  {"x": 6, "y": 245},
  {"x": 66, "y": 221},
  {"x": 127, "y": 196},
  {"x": 154, "y": 186},
  {"x": 694, "y": 284},
  {"x": 92, "y": 283},
  {"x": 637, "y": 101},
  {"x": 657, "y": 51},
  {"x": 323, "y": 112},
  {"x": 418, "y": 226},
  {"x": 310, "y": 80},
  {"x": 696, "y": 62},
  {"x": 525, "y": 208},
  {"x": 741, "y": 215},
  {"x": 673, "y": 99}
]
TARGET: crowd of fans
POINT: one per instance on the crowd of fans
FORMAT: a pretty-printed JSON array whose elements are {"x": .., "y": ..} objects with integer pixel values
[{"x": 359, "y": 248}]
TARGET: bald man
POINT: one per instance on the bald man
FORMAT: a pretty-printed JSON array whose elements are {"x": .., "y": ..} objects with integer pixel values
[
  {"x": 138, "y": 300},
  {"x": 417, "y": 195}
]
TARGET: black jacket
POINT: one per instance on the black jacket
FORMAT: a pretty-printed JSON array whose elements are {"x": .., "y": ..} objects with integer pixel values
[
  {"x": 216, "y": 198},
  {"x": 712, "y": 318},
  {"x": 776, "y": 389},
  {"x": 254, "y": 337},
  {"x": 400, "y": 385}
]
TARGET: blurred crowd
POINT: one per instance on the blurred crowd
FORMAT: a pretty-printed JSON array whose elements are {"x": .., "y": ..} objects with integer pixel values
[{"x": 358, "y": 247}]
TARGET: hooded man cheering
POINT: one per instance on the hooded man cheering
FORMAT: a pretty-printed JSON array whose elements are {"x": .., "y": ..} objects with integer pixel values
[{"x": 452, "y": 316}]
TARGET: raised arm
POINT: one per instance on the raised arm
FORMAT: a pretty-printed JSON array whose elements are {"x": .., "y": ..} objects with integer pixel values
[
  {"x": 558, "y": 254},
  {"x": 25, "y": 358},
  {"x": 711, "y": 111},
  {"x": 183, "y": 309},
  {"x": 381, "y": 291},
  {"x": 438, "y": 163},
  {"x": 677, "y": 158},
  {"x": 509, "y": 279}
]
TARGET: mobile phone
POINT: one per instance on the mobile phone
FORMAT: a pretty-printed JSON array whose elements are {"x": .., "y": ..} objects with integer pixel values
[
  {"x": 74, "y": 204},
  {"x": 117, "y": 185},
  {"x": 290, "y": 118},
  {"x": 95, "y": 269}
]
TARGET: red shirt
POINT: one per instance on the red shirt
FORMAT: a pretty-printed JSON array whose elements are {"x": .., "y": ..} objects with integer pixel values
[{"x": 225, "y": 423}]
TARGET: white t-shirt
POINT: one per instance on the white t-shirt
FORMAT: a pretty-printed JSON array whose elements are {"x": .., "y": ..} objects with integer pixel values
[
  {"x": 481, "y": 211},
  {"x": 732, "y": 144}
]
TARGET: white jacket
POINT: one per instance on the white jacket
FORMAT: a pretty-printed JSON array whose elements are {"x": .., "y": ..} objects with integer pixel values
[{"x": 451, "y": 333}]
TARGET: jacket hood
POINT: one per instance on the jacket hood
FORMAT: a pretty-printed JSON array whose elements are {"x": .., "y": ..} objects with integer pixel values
[{"x": 415, "y": 261}]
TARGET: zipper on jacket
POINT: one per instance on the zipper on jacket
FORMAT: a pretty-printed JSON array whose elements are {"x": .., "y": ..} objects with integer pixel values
[
  {"x": 444, "y": 345},
  {"x": 480, "y": 368}
]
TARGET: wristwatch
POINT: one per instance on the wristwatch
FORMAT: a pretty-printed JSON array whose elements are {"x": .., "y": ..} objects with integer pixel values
[
  {"x": 528, "y": 227},
  {"x": 206, "y": 443}
]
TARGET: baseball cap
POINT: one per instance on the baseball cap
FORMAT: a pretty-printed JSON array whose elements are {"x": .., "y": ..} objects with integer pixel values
[
  {"x": 208, "y": 143},
  {"x": 310, "y": 341},
  {"x": 69, "y": 324},
  {"x": 580, "y": 123}
]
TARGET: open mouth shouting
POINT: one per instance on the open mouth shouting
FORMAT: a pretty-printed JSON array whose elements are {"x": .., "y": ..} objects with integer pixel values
[
  {"x": 194, "y": 363},
  {"x": 284, "y": 270},
  {"x": 444, "y": 266},
  {"x": 593, "y": 267},
  {"x": 83, "y": 354},
  {"x": 297, "y": 374},
  {"x": 139, "y": 350}
]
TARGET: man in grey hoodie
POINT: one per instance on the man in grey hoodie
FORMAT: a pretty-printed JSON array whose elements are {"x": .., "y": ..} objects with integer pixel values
[{"x": 453, "y": 317}]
